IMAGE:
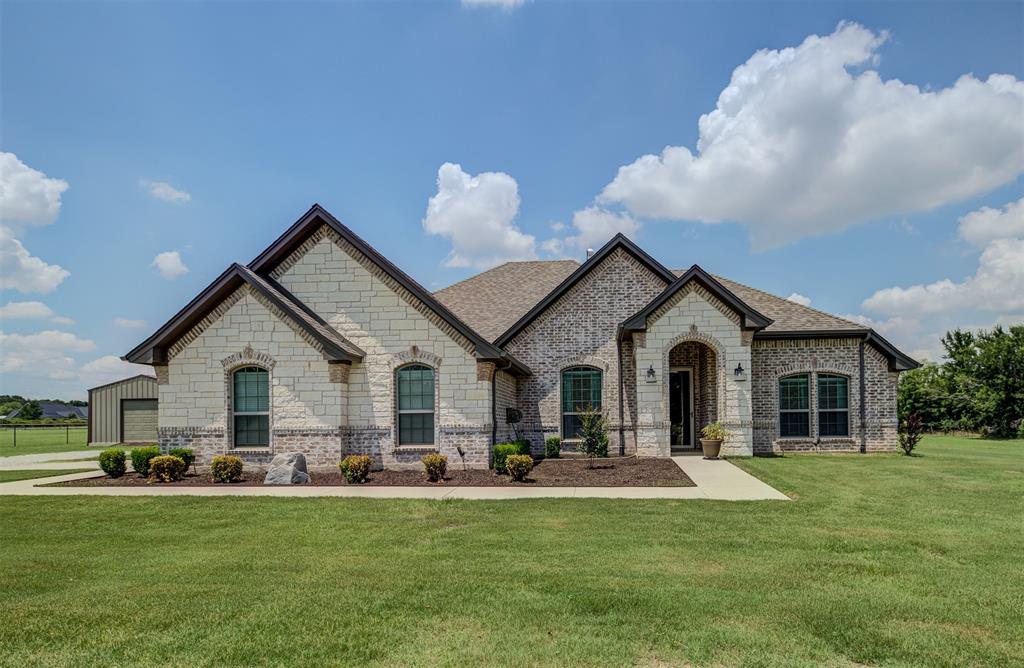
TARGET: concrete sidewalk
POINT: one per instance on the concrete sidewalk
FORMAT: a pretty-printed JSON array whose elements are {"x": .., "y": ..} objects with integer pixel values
[
  {"x": 73, "y": 459},
  {"x": 718, "y": 480}
]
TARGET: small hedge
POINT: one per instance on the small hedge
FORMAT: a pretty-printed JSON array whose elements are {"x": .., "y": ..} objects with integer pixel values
[
  {"x": 226, "y": 468},
  {"x": 184, "y": 454},
  {"x": 503, "y": 451},
  {"x": 167, "y": 468},
  {"x": 519, "y": 466},
  {"x": 435, "y": 466},
  {"x": 355, "y": 468},
  {"x": 552, "y": 447},
  {"x": 141, "y": 457},
  {"x": 523, "y": 445},
  {"x": 112, "y": 462}
]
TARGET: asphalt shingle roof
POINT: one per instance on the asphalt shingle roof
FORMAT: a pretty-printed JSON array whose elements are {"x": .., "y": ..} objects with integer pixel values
[{"x": 494, "y": 300}]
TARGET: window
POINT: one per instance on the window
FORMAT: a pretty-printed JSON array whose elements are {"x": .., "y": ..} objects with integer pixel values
[
  {"x": 415, "y": 405},
  {"x": 794, "y": 407},
  {"x": 251, "y": 394},
  {"x": 581, "y": 387},
  {"x": 833, "y": 406}
]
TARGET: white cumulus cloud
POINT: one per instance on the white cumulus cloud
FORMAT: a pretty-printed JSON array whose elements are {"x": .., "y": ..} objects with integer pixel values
[
  {"x": 109, "y": 368},
  {"x": 507, "y": 5},
  {"x": 988, "y": 224},
  {"x": 24, "y": 272},
  {"x": 44, "y": 354},
  {"x": 129, "y": 324},
  {"x": 32, "y": 311},
  {"x": 477, "y": 214},
  {"x": 27, "y": 196},
  {"x": 169, "y": 265},
  {"x": 593, "y": 227},
  {"x": 798, "y": 298},
  {"x": 165, "y": 191},
  {"x": 809, "y": 140}
]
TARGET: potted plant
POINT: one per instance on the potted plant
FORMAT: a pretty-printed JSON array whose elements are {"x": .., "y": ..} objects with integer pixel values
[{"x": 711, "y": 444}]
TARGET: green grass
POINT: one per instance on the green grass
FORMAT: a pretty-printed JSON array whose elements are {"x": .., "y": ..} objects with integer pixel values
[
  {"x": 881, "y": 560},
  {"x": 34, "y": 441},
  {"x": 11, "y": 476}
]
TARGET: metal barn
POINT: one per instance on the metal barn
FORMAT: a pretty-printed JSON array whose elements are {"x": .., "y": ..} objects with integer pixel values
[{"x": 124, "y": 411}]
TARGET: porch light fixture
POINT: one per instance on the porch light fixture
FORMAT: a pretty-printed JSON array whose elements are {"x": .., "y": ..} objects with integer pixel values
[
  {"x": 738, "y": 373},
  {"x": 652, "y": 377}
]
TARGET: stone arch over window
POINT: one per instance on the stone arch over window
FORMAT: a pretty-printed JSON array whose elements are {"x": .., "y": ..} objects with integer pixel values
[
  {"x": 415, "y": 354},
  {"x": 248, "y": 358},
  {"x": 415, "y": 402}
]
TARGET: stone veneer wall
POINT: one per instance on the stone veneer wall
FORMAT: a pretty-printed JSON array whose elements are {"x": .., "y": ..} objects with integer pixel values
[
  {"x": 393, "y": 328},
  {"x": 693, "y": 314},
  {"x": 580, "y": 329},
  {"x": 773, "y": 359},
  {"x": 306, "y": 407}
]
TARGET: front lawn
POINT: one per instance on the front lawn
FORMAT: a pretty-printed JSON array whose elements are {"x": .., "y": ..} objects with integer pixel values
[
  {"x": 31, "y": 441},
  {"x": 11, "y": 476},
  {"x": 880, "y": 560}
]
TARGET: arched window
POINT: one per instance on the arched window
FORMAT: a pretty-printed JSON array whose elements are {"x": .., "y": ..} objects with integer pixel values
[
  {"x": 415, "y": 387},
  {"x": 833, "y": 405},
  {"x": 581, "y": 388},
  {"x": 251, "y": 404},
  {"x": 794, "y": 406}
]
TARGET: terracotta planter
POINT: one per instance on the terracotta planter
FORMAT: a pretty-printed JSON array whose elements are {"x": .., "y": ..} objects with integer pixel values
[{"x": 711, "y": 447}]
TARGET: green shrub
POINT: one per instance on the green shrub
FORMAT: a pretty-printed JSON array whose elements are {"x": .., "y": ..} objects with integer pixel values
[
  {"x": 112, "y": 462},
  {"x": 593, "y": 434},
  {"x": 167, "y": 468},
  {"x": 501, "y": 453},
  {"x": 435, "y": 466},
  {"x": 519, "y": 466},
  {"x": 226, "y": 468},
  {"x": 184, "y": 454},
  {"x": 524, "y": 446},
  {"x": 355, "y": 468},
  {"x": 141, "y": 457},
  {"x": 552, "y": 447}
]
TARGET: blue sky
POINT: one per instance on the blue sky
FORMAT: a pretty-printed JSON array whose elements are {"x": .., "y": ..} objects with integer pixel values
[{"x": 206, "y": 129}]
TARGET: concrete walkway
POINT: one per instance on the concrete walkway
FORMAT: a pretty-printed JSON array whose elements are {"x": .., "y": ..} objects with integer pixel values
[
  {"x": 76, "y": 459},
  {"x": 716, "y": 479}
]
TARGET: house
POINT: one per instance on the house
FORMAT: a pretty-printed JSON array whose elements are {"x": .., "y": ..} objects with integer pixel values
[
  {"x": 322, "y": 345},
  {"x": 55, "y": 410}
]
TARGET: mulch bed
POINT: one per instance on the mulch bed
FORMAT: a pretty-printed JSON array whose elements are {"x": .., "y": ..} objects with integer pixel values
[{"x": 624, "y": 472}]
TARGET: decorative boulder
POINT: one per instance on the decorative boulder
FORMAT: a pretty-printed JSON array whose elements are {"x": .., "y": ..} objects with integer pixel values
[{"x": 287, "y": 469}]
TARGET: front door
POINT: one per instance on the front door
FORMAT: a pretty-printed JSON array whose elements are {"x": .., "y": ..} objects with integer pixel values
[{"x": 680, "y": 408}]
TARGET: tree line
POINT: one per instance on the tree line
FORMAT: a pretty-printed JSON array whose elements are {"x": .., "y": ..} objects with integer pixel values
[{"x": 978, "y": 388}]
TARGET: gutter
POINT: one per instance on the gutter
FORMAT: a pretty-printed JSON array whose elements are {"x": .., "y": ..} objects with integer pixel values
[
  {"x": 863, "y": 406},
  {"x": 622, "y": 424}
]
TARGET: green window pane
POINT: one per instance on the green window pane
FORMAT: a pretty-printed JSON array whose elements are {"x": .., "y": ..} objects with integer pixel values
[
  {"x": 833, "y": 392},
  {"x": 415, "y": 388},
  {"x": 581, "y": 387},
  {"x": 416, "y": 428},
  {"x": 251, "y": 387},
  {"x": 793, "y": 395}
]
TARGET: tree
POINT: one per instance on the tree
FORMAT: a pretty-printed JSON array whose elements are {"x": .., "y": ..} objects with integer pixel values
[
  {"x": 911, "y": 431},
  {"x": 593, "y": 434},
  {"x": 31, "y": 410}
]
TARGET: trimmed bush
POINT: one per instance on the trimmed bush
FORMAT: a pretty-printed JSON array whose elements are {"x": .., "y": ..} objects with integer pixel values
[
  {"x": 435, "y": 466},
  {"x": 552, "y": 447},
  {"x": 184, "y": 454},
  {"x": 519, "y": 466},
  {"x": 226, "y": 468},
  {"x": 141, "y": 457},
  {"x": 112, "y": 462},
  {"x": 524, "y": 446},
  {"x": 167, "y": 468},
  {"x": 501, "y": 453},
  {"x": 355, "y": 468}
]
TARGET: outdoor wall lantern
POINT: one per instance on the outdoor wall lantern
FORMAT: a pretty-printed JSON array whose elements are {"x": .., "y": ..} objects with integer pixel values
[
  {"x": 652, "y": 376},
  {"x": 738, "y": 373}
]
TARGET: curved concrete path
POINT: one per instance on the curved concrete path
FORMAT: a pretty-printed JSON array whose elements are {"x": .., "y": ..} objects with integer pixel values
[{"x": 716, "y": 479}]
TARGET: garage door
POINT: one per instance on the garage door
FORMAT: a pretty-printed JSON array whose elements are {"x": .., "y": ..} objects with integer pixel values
[{"x": 138, "y": 419}]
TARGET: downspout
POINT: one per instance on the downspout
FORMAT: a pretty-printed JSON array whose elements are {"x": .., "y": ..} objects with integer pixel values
[
  {"x": 863, "y": 407},
  {"x": 622, "y": 427}
]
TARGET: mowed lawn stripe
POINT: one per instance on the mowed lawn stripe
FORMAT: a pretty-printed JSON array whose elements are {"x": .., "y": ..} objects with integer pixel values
[{"x": 881, "y": 560}]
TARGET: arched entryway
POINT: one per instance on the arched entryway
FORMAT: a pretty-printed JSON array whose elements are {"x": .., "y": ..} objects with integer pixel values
[{"x": 692, "y": 393}]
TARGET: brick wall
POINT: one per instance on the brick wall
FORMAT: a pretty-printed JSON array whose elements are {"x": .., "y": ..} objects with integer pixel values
[
  {"x": 580, "y": 329},
  {"x": 773, "y": 359}
]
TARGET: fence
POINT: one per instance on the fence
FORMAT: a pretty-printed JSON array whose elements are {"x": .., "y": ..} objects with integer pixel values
[{"x": 67, "y": 430}]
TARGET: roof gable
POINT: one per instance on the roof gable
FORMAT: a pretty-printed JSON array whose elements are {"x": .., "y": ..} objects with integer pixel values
[
  {"x": 154, "y": 349},
  {"x": 616, "y": 242},
  {"x": 750, "y": 318},
  {"x": 316, "y": 217}
]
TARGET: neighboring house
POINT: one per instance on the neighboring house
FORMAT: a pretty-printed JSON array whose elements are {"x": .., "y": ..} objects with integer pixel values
[
  {"x": 322, "y": 345},
  {"x": 54, "y": 410}
]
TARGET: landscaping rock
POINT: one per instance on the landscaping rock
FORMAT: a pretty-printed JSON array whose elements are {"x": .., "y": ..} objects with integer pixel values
[{"x": 287, "y": 469}]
